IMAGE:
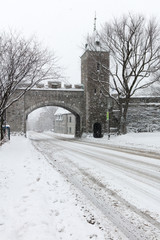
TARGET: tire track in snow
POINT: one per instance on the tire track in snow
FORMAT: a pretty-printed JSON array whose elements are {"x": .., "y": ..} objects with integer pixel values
[{"x": 118, "y": 219}]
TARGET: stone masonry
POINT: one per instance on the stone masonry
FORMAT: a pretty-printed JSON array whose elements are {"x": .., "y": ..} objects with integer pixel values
[
  {"x": 70, "y": 99},
  {"x": 144, "y": 114},
  {"x": 96, "y": 102},
  {"x": 85, "y": 101}
]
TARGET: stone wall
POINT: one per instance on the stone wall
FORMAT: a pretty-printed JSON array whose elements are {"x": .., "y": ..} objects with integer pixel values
[
  {"x": 15, "y": 116},
  {"x": 92, "y": 73},
  {"x": 144, "y": 114},
  {"x": 70, "y": 99}
]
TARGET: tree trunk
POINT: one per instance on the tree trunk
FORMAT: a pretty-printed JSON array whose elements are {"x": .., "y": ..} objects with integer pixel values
[
  {"x": 123, "y": 121},
  {"x": 2, "y": 121},
  {"x": 123, "y": 126},
  {"x": 119, "y": 120},
  {"x": 1, "y": 129}
]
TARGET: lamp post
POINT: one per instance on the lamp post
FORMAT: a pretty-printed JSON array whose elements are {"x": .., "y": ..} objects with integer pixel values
[
  {"x": 108, "y": 124},
  {"x": 109, "y": 105}
]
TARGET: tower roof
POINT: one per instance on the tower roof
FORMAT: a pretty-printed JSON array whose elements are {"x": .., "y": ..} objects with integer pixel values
[{"x": 95, "y": 39}]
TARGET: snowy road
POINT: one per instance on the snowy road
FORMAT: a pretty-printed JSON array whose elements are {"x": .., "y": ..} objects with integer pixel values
[{"x": 125, "y": 187}]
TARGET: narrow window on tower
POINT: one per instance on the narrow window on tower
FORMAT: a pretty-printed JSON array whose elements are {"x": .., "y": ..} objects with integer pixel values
[
  {"x": 95, "y": 91},
  {"x": 98, "y": 67}
]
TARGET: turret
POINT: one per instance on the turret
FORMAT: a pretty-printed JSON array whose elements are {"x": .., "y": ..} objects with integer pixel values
[{"x": 95, "y": 78}]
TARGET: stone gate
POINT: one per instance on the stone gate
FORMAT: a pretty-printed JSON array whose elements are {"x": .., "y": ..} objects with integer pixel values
[
  {"x": 70, "y": 99},
  {"x": 84, "y": 100}
]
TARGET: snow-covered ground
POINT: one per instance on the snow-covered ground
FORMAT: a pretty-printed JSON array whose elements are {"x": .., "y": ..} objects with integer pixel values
[
  {"x": 37, "y": 202},
  {"x": 149, "y": 142}
]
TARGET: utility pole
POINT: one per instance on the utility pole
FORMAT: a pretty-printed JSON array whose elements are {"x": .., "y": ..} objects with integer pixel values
[{"x": 108, "y": 124}]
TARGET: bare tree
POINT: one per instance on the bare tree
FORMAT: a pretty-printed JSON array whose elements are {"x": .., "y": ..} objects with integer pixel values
[
  {"x": 133, "y": 44},
  {"x": 23, "y": 63}
]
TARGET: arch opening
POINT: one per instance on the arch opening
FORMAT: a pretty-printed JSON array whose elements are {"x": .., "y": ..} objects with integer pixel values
[
  {"x": 97, "y": 130},
  {"x": 53, "y": 118}
]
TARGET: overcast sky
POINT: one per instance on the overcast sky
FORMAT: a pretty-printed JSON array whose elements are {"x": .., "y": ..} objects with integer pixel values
[{"x": 62, "y": 25}]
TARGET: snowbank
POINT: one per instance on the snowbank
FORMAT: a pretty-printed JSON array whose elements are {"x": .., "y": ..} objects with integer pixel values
[
  {"x": 36, "y": 201},
  {"x": 143, "y": 141}
]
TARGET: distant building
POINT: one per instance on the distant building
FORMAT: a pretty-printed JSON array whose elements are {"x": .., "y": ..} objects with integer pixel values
[{"x": 64, "y": 122}]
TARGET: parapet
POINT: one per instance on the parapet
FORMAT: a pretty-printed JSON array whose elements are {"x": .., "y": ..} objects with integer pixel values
[
  {"x": 67, "y": 86},
  {"x": 54, "y": 84},
  {"x": 79, "y": 86},
  {"x": 40, "y": 85}
]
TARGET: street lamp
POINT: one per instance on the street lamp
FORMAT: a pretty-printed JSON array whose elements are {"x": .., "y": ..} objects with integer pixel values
[{"x": 109, "y": 106}]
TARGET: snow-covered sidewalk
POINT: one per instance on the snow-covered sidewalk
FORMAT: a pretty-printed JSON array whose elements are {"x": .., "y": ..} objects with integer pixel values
[
  {"x": 36, "y": 202},
  {"x": 149, "y": 142}
]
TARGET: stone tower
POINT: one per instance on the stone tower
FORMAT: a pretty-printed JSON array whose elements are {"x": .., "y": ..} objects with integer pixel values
[{"x": 95, "y": 78}]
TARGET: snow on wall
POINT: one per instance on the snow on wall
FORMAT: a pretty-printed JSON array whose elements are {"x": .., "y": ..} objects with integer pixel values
[{"x": 143, "y": 117}]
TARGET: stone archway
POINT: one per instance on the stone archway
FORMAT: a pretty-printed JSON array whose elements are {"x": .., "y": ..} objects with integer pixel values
[{"x": 78, "y": 116}]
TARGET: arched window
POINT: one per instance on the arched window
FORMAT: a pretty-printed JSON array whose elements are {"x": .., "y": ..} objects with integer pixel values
[{"x": 97, "y": 130}]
